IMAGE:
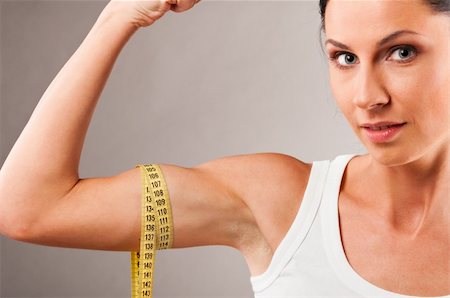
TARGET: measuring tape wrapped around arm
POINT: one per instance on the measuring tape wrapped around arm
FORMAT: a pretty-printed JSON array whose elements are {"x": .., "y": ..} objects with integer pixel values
[{"x": 156, "y": 229}]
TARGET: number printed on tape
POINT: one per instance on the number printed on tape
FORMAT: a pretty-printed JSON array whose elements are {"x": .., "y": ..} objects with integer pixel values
[{"x": 156, "y": 229}]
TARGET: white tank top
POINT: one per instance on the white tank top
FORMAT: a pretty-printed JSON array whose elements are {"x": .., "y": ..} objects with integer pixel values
[{"x": 310, "y": 260}]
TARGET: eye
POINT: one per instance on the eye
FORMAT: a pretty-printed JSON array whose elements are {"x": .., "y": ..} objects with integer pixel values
[
  {"x": 403, "y": 53},
  {"x": 346, "y": 58},
  {"x": 343, "y": 59}
]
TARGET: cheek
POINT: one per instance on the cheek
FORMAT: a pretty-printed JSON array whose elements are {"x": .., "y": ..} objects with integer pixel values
[
  {"x": 342, "y": 92},
  {"x": 438, "y": 100},
  {"x": 422, "y": 92}
]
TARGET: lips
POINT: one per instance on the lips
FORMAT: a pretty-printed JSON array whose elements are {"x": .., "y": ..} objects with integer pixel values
[
  {"x": 381, "y": 125},
  {"x": 382, "y": 132}
]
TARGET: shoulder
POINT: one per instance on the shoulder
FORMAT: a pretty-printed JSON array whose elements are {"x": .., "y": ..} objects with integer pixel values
[
  {"x": 262, "y": 161},
  {"x": 255, "y": 175},
  {"x": 270, "y": 184}
]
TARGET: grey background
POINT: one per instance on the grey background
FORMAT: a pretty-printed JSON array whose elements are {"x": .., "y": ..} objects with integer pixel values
[{"x": 225, "y": 78}]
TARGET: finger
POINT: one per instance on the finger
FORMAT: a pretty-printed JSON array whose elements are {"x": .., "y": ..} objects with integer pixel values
[{"x": 183, "y": 5}]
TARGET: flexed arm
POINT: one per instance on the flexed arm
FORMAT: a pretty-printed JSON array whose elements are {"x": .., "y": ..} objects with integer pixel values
[
  {"x": 47, "y": 153},
  {"x": 238, "y": 201}
]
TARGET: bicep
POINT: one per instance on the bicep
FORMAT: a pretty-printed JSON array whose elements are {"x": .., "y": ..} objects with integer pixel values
[
  {"x": 105, "y": 213},
  {"x": 206, "y": 210}
]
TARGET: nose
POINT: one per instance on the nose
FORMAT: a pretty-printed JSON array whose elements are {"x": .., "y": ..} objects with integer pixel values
[{"x": 370, "y": 91}]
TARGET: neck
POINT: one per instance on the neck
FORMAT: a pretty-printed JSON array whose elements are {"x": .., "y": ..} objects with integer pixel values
[{"x": 412, "y": 195}]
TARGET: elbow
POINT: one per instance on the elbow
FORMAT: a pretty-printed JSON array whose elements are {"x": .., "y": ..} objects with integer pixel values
[
  {"x": 14, "y": 229},
  {"x": 12, "y": 225}
]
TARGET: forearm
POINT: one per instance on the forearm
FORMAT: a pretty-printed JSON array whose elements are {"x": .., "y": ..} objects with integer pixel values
[{"x": 43, "y": 163}]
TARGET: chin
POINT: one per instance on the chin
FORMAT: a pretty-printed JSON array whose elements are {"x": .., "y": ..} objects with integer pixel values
[
  {"x": 402, "y": 151},
  {"x": 390, "y": 155}
]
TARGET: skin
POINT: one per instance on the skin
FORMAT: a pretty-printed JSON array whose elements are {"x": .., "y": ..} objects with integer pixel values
[
  {"x": 411, "y": 170},
  {"x": 393, "y": 222},
  {"x": 404, "y": 193}
]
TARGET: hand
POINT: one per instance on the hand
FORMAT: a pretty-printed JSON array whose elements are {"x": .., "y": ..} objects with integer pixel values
[{"x": 143, "y": 13}]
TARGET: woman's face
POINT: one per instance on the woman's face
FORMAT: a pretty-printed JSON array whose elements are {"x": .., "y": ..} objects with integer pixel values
[{"x": 391, "y": 63}]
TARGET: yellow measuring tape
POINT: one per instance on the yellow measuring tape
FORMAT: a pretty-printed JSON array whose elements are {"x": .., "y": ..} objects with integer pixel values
[{"x": 156, "y": 229}]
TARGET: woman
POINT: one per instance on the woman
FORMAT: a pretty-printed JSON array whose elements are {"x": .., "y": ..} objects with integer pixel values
[{"x": 368, "y": 225}]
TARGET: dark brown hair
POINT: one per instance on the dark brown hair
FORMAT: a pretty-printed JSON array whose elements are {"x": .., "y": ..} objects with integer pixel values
[{"x": 442, "y": 6}]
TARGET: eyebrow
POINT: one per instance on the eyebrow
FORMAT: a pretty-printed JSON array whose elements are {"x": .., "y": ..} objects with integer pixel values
[{"x": 382, "y": 42}]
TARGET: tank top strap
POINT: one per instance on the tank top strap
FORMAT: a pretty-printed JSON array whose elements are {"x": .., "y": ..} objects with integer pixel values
[
  {"x": 299, "y": 228},
  {"x": 329, "y": 215}
]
